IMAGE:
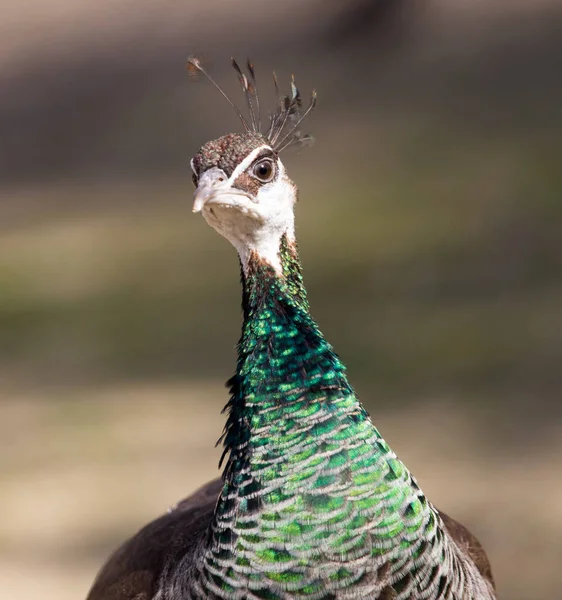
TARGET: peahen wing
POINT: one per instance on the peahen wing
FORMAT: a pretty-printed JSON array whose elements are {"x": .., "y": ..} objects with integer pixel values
[
  {"x": 132, "y": 572},
  {"x": 467, "y": 542}
]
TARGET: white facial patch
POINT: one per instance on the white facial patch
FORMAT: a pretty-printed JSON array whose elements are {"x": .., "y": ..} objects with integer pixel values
[
  {"x": 246, "y": 163},
  {"x": 252, "y": 224}
]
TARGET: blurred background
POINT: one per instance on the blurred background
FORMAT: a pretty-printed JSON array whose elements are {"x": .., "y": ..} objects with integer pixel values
[{"x": 429, "y": 227}]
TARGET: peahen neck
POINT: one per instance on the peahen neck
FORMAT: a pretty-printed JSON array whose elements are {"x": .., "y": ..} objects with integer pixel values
[
  {"x": 314, "y": 501},
  {"x": 286, "y": 371}
]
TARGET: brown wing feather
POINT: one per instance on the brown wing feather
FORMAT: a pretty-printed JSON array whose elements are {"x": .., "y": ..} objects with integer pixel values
[
  {"x": 467, "y": 542},
  {"x": 132, "y": 572}
]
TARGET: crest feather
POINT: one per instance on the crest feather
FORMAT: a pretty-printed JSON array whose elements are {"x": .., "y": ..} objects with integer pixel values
[{"x": 284, "y": 122}]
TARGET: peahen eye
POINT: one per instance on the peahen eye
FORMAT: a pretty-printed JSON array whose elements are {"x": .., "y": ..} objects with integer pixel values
[{"x": 264, "y": 170}]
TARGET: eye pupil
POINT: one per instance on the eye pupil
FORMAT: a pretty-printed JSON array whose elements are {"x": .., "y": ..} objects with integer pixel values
[{"x": 264, "y": 171}]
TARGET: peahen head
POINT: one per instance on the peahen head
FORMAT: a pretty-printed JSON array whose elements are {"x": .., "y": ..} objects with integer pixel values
[{"x": 242, "y": 188}]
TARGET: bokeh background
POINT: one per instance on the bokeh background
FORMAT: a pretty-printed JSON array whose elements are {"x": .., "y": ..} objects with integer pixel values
[{"x": 430, "y": 229}]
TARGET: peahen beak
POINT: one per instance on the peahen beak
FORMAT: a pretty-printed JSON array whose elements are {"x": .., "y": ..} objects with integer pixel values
[
  {"x": 215, "y": 191},
  {"x": 211, "y": 182}
]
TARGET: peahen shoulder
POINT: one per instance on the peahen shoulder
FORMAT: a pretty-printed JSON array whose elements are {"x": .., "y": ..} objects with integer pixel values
[{"x": 133, "y": 572}]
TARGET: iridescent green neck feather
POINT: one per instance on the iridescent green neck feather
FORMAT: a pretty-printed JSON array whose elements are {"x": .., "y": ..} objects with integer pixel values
[{"x": 315, "y": 504}]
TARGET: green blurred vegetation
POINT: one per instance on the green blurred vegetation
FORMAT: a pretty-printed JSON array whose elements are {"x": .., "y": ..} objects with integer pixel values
[{"x": 434, "y": 269}]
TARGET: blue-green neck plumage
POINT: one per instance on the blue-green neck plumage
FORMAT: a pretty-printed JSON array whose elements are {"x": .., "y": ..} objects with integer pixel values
[
  {"x": 304, "y": 460},
  {"x": 314, "y": 501},
  {"x": 283, "y": 360}
]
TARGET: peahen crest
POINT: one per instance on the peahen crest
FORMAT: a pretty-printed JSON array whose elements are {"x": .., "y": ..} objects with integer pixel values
[{"x": 284, "y": 121}]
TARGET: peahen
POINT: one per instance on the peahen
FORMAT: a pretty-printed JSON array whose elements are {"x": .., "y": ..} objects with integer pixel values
[{"x": 312, "y": 504}]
